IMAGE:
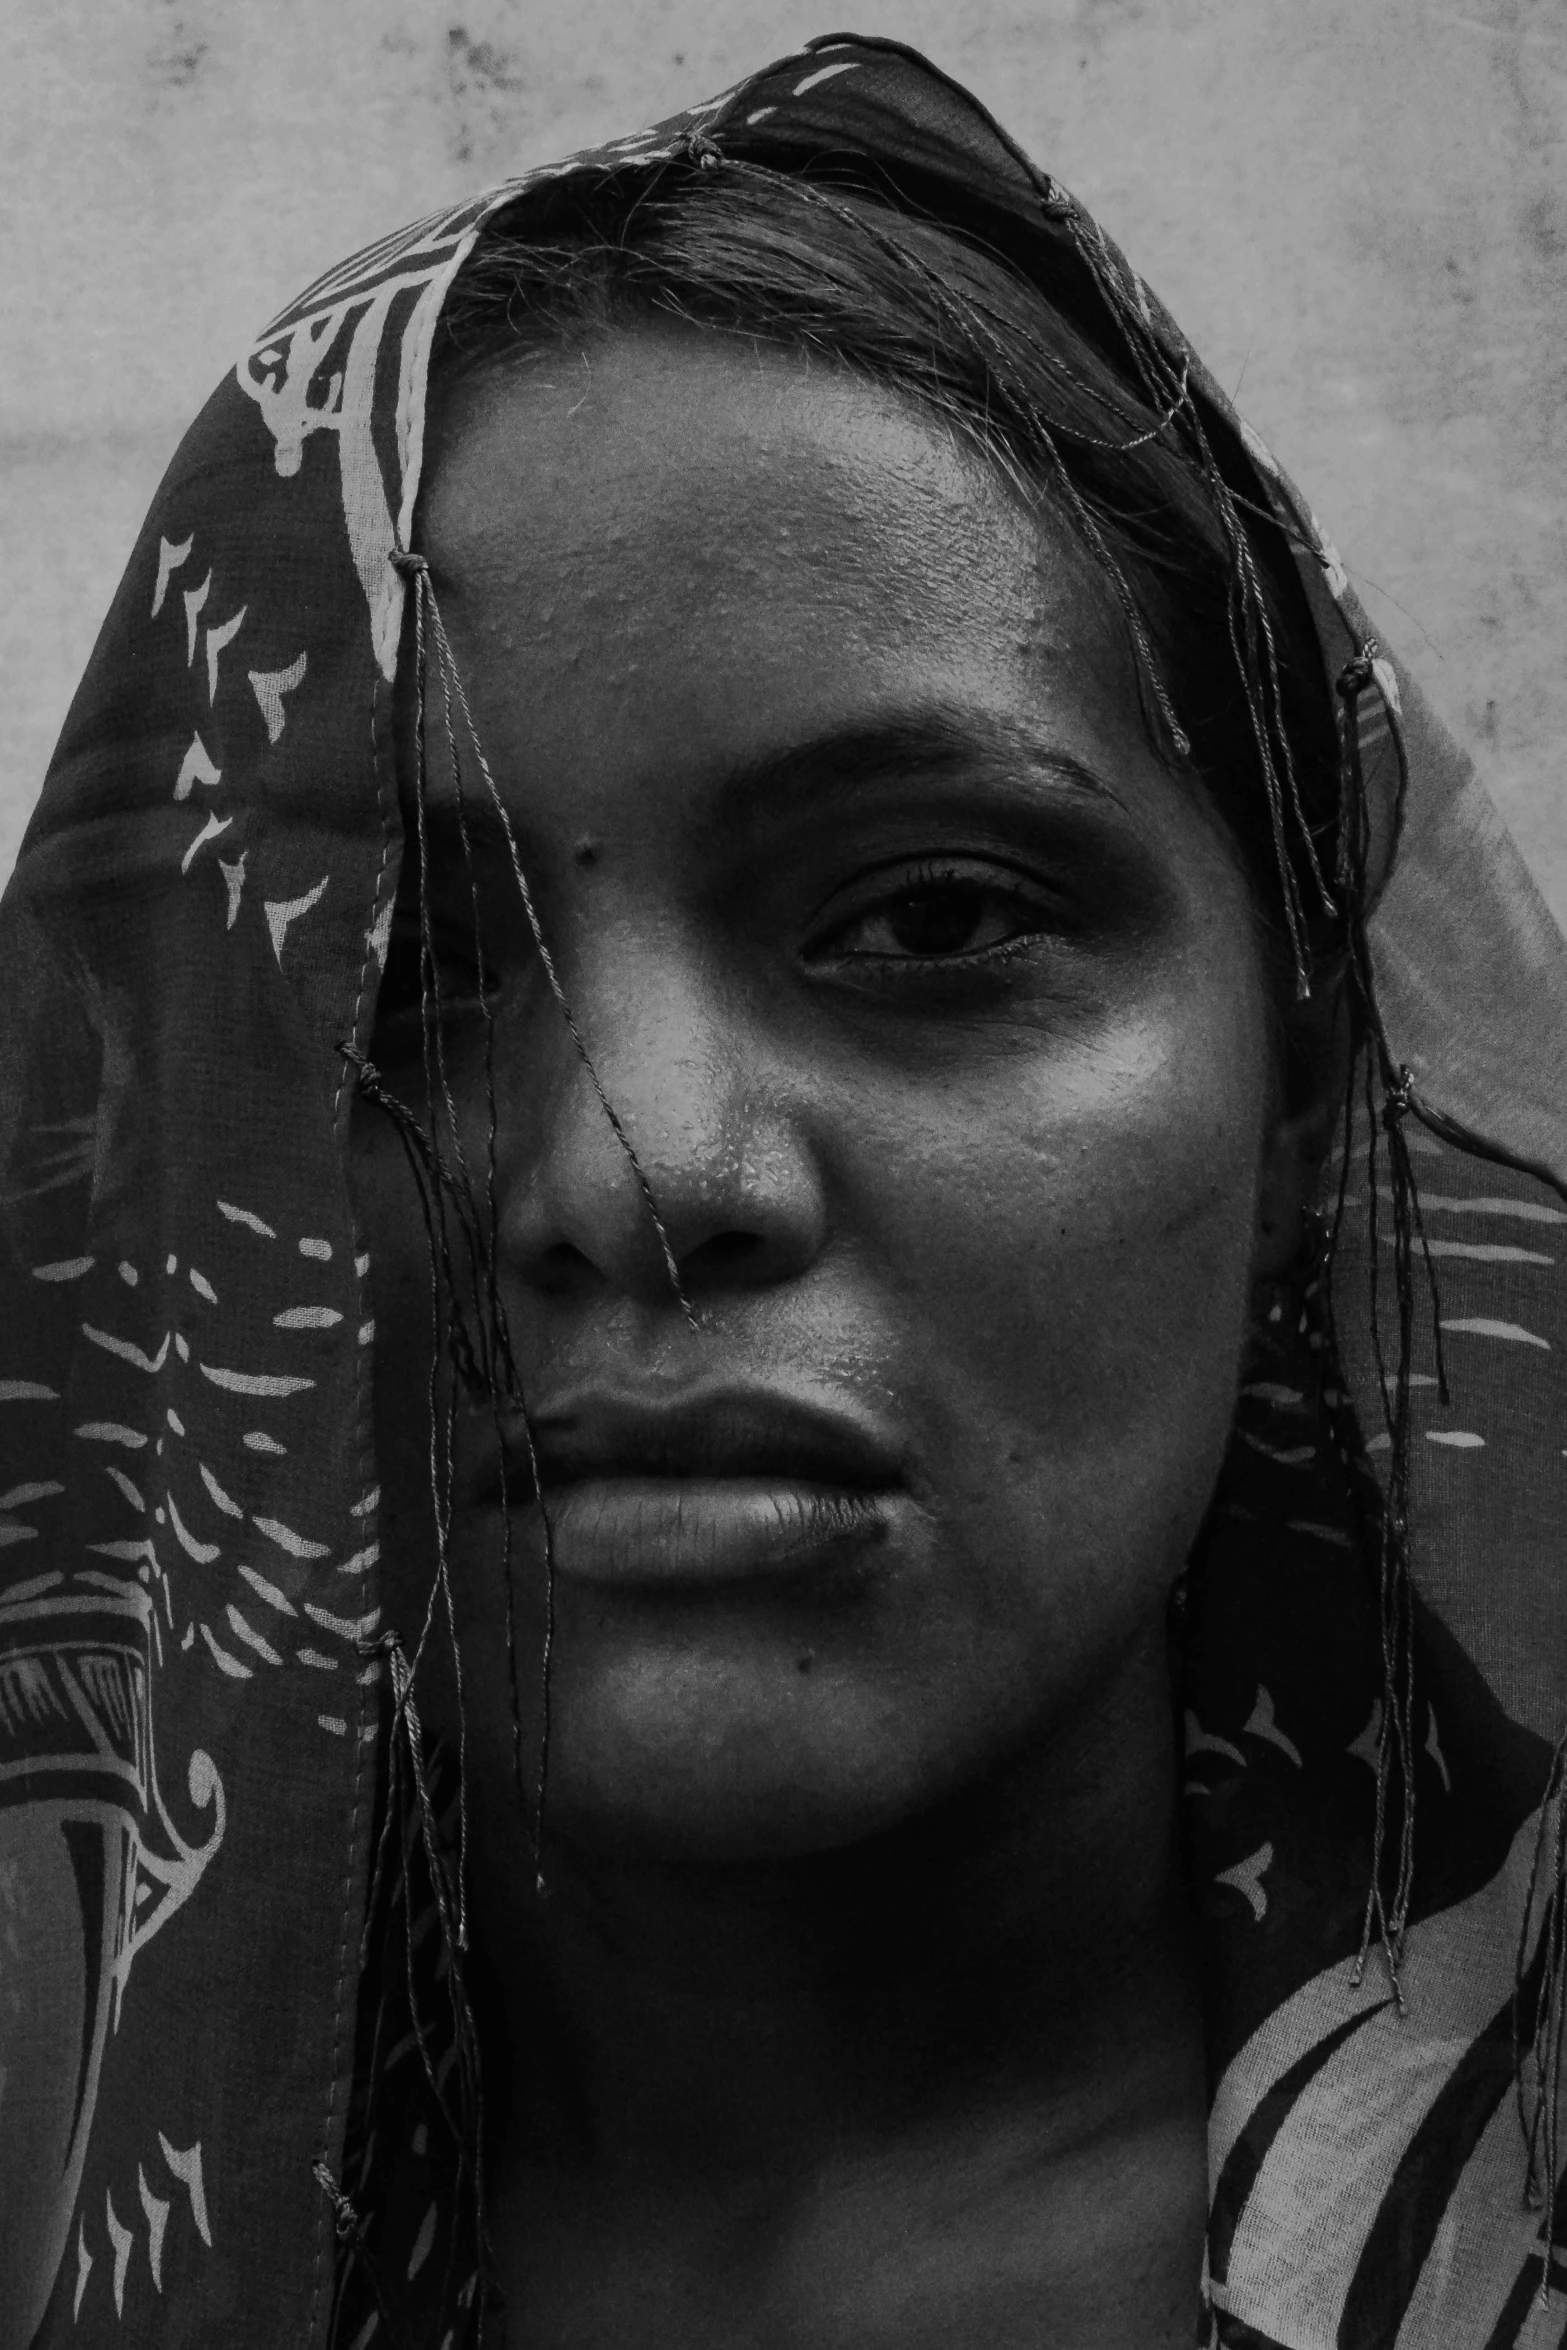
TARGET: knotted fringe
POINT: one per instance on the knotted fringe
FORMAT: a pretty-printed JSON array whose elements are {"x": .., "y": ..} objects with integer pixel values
[
  {"x": 1387, "y": 1101},
  {"x": 1540, "y": 1984},
  {"x": 1540, "y": 1996},
  {"x": 1390, "y": 1098},
  {"x": 1164, "y": 382},
  {"x": 1387, "y": 1906},
  {"x": 411, "y": 1961},
  {"x": 1388, "y": 1092}
]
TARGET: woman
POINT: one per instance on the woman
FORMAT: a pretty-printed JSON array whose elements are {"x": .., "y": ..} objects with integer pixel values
[{"x": 727, "y": 1005}]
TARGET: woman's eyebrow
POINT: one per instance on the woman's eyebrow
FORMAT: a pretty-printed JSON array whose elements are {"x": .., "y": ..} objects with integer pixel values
[
  {"x": 927, "y": 742},
  {"x": 924, "y": 743}
]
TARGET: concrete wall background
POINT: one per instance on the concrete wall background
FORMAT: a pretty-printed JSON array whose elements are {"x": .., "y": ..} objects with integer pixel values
[{"x": 1356, "y": 208}]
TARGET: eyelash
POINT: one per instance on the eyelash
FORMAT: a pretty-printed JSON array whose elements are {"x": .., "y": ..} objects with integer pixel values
[
  {"x": 927, "y": 878},
  {"x": 990, "y": 885}
]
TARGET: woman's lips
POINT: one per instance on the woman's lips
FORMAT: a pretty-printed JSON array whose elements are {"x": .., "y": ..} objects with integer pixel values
[
  {"x": 674, "y": 1533},
  {"x": 696, "y": 1489}
]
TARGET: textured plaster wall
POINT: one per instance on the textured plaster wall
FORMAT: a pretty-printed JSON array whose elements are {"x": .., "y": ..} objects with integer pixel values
[{"x": 1357, "y": 208}]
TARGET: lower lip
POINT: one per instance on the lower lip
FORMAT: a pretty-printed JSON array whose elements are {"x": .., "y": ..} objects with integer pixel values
[{"x": 663, "y": 1533}]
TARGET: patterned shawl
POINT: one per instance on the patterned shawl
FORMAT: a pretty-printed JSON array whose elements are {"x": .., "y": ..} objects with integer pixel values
[{"x": 194, "y": 1749}]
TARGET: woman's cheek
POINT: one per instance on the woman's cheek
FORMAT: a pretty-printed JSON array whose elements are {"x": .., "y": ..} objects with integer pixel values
[{"x": 1072, "y": 1250}]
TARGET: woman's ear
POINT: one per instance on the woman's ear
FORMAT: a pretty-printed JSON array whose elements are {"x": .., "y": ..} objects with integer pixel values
[{"x": 1315, "y": 1061}]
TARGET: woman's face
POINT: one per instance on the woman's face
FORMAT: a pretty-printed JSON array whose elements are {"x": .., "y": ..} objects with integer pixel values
[{"x": 930, "y": 1003}]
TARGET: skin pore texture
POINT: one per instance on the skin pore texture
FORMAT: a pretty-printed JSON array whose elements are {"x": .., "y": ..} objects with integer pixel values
[{"x": 858, "y": 2008}]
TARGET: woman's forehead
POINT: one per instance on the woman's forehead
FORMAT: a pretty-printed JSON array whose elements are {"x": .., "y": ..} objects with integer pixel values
[
  {"x": 681, "y": 549},
  {"x": 684, "y": 447}
]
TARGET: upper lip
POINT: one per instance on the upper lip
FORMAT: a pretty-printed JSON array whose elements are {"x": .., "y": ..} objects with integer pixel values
[{"x": 698, "y": 1432}]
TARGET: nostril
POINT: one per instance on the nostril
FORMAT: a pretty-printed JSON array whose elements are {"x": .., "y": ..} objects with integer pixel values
[
  {"x": 563, "y": 1270},
  {"x": 579, "y": 1221},
  {"x": 726, "y": 1258}
]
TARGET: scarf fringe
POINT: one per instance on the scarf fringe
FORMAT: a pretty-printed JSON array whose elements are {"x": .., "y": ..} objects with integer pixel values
[{"x": 1540, "y": 2018}]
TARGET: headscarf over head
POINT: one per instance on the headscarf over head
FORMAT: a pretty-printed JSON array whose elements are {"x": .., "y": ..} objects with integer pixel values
[{"x": 214, "y": 2124}]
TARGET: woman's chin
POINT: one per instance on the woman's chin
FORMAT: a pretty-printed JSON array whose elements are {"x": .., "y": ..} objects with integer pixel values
[{"x": 728, "y": 1759}]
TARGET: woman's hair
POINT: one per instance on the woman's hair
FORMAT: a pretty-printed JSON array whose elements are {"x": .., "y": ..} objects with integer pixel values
[{"x": 1024, "y": 374}]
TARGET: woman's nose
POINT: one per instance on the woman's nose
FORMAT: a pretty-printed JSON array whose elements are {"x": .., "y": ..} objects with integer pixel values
[{"x": 702, "y": 1162}]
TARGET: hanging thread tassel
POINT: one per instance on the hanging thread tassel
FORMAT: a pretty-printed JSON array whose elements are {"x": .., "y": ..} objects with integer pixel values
[
  {"x": 1539, "y": 2037},
  {"x": 1388, "y": 1101}
]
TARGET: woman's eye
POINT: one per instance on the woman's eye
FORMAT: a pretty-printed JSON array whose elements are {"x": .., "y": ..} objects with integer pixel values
[{"x": 939, "y": 917}]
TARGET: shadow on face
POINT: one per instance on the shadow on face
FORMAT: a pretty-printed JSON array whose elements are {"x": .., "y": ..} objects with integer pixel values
[{"x": 929, "y": 1002}]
